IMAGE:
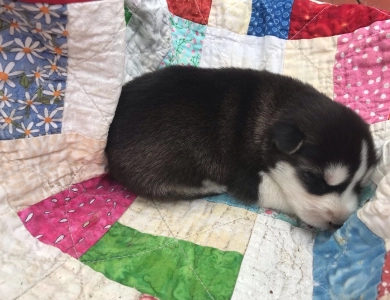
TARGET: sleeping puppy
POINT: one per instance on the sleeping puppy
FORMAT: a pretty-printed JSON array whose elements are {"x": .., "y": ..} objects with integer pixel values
[{"x": 187, "y": 133}]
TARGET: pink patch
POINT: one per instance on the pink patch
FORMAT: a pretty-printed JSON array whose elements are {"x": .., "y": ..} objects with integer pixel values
[
  {"x": 147, "y": 297},
  {"x": 362, "y": 71},
  {"x": 384, "y": 285},
  {"x": 77, "y": 218}
]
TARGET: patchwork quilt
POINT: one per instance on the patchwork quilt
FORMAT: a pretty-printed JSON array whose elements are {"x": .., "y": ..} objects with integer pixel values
[{"x": 68, "y": 231}]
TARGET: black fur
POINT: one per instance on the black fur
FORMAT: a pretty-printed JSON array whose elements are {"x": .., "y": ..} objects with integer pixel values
[{"x": 178, "y": 126}]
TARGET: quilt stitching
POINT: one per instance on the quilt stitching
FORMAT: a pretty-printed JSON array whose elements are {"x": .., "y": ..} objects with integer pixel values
[
  {"x": 310, "y": 21},
  {"x": 131, "y": 255},
  {"x": 332, "y": 5},
  {"x": 185, "y": 255},
  {"x": 67, "y": 221},
  {"x": 91, "y": 100},
  {"x": 330, "y": 81},
  {"x": 47, "y": 275},
  {"x": 215, "y": 45}
]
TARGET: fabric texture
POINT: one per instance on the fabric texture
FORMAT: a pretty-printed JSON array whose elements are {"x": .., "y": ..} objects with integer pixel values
[
  {"x": 270, "y": 18},
  {"x": 69, "y": 231},
  {"x": 233, "y": 15},
  {"x": 360, "y": 74},
  {"x": 33, "y": 65},
  {"x": 191, "y": 271},
  {"x": 310, "y": 19}
]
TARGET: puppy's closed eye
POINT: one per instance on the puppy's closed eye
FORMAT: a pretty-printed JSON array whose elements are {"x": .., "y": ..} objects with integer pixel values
[{"x": 315, "y": 183}]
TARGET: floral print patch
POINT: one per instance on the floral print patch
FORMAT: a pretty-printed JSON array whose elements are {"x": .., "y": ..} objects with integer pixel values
[
  {"x": 187, "y": 42},
  {"x": 33, "y": 63}
]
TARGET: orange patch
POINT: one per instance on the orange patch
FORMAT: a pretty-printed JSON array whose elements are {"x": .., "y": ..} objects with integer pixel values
[
  {"x": 56, "y": 93},
  {"x": 26, "y": 50},
  {"x": 37, "y": 75},
  {"x": 58, "y": 50},
  {"x": 48, "y": 120},
  {"x": 27, "y": 131},
  {"x": 54, "y": 67},
  {"x": 44, "y": 9},
  {"x": 14, "y": 25},
  {"x": 3, "y": 76},
  {"x": 65, "y": 33},
  {"x": 29, "y": 102},
  {"x": 4, "y": 98},
  {"x": 8, "y": 120}
]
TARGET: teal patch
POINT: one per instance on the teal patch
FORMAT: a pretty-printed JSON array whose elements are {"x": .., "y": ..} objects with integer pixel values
[{"x": 186, "y": 43}]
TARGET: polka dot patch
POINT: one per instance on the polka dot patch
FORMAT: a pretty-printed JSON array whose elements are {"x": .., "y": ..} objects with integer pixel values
[
  {"x": 270, "y": 17},
  {"x": 76, "y": 219},
  {"x": 310, "y": 19},
  {"x": 197, "y": 11},
  {"x": 384, "y": 285},
  {"x": 361, "y": 72}
]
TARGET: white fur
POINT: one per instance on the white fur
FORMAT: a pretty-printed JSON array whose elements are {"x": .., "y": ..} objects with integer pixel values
[
  {"x": 271, "y": 194},
  {"x": 335, "y": 174},
  {"x": 208, "y": 187},
  {"x": 283, "y": 185}
]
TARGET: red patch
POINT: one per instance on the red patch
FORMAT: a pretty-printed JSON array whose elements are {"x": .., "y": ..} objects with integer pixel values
[
  {"x": 384, "y": 285},
  {"x": 310, "y": 19},
  {"x": 197, "y": 11},
  {"x": 55, "y": 1}
]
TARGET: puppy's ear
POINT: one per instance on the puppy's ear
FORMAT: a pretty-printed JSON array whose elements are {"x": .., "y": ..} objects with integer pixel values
[{"x": 287, "y": 137}]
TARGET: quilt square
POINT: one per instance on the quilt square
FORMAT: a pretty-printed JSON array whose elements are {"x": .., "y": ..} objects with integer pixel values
[
  {"x": 223, "y": 48},
  {"x": 270, "y": 17},
  {"x": 233, "y": 15},
  {"x": 347, "y": 263},
  {"x": 196, "y": 11},
  {"x": 186, "y": 43},
  {"x": 164, "y": 267},
  {"x": 75, "y": 219},
  {"x": 311, "y": 19},
  {"x": 33, "y": 63},
  {"x": 362, "y": 71},
  {"x": 312, "y": 61}
]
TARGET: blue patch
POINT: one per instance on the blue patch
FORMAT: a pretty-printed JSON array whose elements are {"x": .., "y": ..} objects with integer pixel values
[
  {"x": 270, "y": 17},
  {"x": 33, "y": 65},
  {"x": 367, "y": 193},
  {"x": 348, "y": 263},
  {"x": 228, "y": 200}
]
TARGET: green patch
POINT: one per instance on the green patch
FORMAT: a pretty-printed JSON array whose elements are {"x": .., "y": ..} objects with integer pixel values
[
  {"x": 128, "y": 15},
  {"x": 165, "y": 267}
]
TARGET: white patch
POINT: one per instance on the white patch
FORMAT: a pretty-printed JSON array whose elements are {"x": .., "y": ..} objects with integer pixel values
[
  {"x": 208, "y": 187},
  {"x": 282, "y": 189},
  {"x": 335, "y": 174},
  {"x": 271, "y": 195},
  {"x": 348, "y": 194},
  {"x": 315, "y": 210}
]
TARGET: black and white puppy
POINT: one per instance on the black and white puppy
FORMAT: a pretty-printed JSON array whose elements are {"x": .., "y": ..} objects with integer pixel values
[{"x": 186, "y": 133}]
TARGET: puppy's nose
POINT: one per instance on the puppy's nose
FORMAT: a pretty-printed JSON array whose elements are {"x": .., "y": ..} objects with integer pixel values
[{"x": 334, "y": 226}]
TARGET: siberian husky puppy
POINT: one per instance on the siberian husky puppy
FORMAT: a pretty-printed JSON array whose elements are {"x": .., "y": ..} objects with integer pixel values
[{"x": 187, "y": 133}]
